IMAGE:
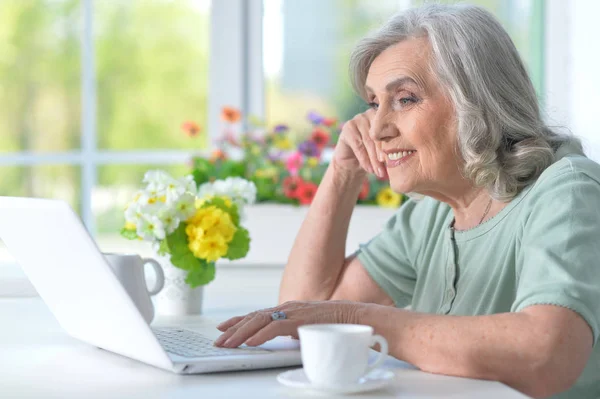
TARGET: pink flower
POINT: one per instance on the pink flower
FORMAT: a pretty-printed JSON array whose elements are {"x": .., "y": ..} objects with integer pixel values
[{"x": 293, "y": 163}]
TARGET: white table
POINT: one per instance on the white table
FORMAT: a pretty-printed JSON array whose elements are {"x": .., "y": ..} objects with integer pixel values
[{"x": 38, "y": 360}]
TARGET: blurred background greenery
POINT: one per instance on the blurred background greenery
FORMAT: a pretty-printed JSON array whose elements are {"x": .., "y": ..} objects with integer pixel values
[{"x": 151, "y": 73}]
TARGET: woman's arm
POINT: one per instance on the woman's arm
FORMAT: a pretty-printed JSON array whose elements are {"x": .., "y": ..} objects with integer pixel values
[
  {"x": 318, "y": 256},
  {"x": 539, "y": 351},
  {"x": 317, "y": 268}
]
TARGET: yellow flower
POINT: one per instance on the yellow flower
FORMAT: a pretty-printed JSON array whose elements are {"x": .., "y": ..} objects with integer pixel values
[
  {"x": 194, "y": 232},
  {"x": 210, "y": 248},
  {"x": 312, "y": 162},
  {"x": 226, "y": 230},
  {"x": 130, "y": 226},
  {"x": 209, "y": 231},
  {"x": 282, "y": 143},
  {"x": 388, "y": 198}
]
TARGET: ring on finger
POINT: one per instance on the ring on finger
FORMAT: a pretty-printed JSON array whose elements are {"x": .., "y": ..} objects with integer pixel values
[{"x": 278, "y": 315}]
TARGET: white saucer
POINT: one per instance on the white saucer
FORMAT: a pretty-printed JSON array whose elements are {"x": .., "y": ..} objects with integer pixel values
[{"x": 376, "y": 379}]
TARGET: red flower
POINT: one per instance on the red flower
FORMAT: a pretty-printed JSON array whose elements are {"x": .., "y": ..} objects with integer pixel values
[
  {"x": 329, "y": 122},
  {"x": 291, "y": 184},
  {"x": 320, "y": 137},
  {"x": 364, "y": 192},
  {"x": 306, "y": 192},
  {"x": 191, "y": 128}
]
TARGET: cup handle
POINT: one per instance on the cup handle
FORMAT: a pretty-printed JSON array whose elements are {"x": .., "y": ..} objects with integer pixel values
[
  {"x": 378, "y": 339},
  {"x": 160, "y": 276}
]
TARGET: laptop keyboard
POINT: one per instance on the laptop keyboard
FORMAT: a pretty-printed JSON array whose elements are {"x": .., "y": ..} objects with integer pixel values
[{"x": 189, "y": 343}]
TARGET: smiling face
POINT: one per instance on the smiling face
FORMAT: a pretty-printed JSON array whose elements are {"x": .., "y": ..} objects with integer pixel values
[{"x": 414, "y": 123}]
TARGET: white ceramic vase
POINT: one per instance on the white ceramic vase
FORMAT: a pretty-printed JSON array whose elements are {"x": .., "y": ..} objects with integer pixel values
[{"x": 177, "y": 298}]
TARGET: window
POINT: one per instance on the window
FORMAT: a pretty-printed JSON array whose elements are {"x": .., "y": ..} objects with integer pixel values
[
  {"x": 93, "y": 93},
  {"x": 82, "y": 122},
  {"x": 307, "y": 47}
]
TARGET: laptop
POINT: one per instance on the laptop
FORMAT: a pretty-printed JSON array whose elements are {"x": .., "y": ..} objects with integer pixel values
[{"x": 72, "y": 277}]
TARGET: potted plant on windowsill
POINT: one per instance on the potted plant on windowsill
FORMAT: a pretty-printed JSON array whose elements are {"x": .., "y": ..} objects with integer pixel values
[
  {"x": 287, "y": 168},
  {"x": 190, "y": 231}
]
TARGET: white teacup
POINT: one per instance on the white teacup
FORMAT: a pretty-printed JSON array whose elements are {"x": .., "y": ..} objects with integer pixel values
[
  {"x": 338, "y": 354},
  {"x": 129, "y": 269}
]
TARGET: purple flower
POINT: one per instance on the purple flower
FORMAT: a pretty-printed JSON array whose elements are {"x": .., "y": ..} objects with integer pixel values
[
  {"x": 281, "y": 128},
  {"x": 309, "y": 148},
  {"x": 315, "y": 118}
]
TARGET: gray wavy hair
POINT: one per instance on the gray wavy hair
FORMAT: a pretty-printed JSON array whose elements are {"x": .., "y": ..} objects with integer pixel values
[{"x": 501, "y": 135}]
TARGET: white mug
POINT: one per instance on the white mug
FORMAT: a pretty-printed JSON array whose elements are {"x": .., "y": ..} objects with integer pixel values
[
  {"x": 129, "y": 269},
  {"x": 334, "y": 355}
]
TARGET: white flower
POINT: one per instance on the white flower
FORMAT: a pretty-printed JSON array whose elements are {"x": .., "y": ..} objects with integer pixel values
[
  {"x": 243, "y": 189},
  {"x": 240, "y": 190},
  {"x": 168, "y": 217},
  {"x": 133, "y": 213},
  {"x": 206, "y": 190},
  {"x": 189, "y": 183},
  {"x": 185, "y": 206},
  {"x": 173, "y": 191},
  {"x": 150, "y": 228}
]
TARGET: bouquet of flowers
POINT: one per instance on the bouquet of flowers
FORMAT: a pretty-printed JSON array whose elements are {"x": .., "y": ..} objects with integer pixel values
[
  {"x": 196, "y": 228},
  {"x": 286, "y": 167}
]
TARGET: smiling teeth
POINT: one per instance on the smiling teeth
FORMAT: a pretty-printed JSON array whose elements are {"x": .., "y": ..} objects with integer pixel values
[{"x": 398, "y": 155}]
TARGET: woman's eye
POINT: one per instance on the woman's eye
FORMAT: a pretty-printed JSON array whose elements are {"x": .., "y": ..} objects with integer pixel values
[
  {"x": 374, "y": 106},
  {"x": 407, "y": 100}
]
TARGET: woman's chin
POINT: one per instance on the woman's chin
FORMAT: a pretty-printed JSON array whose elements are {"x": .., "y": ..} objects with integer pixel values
[{"x": 400, "y": 186}]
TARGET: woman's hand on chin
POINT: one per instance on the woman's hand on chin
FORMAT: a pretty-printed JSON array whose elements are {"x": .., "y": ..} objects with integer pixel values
[
  {"x": 356, "y": 152},
  {"x": 258, "y": 327}
]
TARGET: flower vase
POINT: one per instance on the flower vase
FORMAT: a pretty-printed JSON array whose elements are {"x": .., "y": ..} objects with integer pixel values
[{"x": 177, "y": 298}]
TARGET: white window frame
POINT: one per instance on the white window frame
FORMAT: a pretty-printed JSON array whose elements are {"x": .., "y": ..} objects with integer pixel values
[{"x": 557, "y": 65}]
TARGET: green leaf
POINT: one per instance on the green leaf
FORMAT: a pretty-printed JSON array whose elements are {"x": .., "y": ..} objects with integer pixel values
[
  {"x": 229, "y": 168},
  {"x": 163, "y": 249},
  {"x": 265, "y": 188},
  {"x": 201, "y": 275},
  {"x": 203, "y": 170},
  {"x": 239, "y": 245},
  {"x": 181, "y": 256},
  {"x": 185, "y": 261},
  {"x": 129, "y": 234}
]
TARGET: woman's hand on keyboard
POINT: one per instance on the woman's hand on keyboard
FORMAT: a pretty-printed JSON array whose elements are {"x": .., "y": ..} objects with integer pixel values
[{"x": 259, "y": 327}]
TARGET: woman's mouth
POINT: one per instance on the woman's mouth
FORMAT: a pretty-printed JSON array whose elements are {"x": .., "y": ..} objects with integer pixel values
[{"x": 397, "y": 158}]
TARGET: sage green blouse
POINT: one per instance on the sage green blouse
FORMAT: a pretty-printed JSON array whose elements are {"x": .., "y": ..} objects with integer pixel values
[{"x": 542, "y": 248}]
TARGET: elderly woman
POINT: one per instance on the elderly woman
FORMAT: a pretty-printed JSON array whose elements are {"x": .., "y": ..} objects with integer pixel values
[{"x": 499, "y": 262}]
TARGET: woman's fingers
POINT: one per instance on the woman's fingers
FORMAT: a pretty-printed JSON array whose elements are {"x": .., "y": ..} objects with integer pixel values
[
  {"x": 355, "y": 142},
  {"x": 364, "y": 125},
  {"x": 272, "y": 330},
  {"x": 239, "y": 333},
  {"x": 229, "y": 323},
  {"x": 234, "y": 320}
]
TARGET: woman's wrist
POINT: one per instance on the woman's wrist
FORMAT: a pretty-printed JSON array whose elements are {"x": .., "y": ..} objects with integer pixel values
[{"x": 344, "y": 178}]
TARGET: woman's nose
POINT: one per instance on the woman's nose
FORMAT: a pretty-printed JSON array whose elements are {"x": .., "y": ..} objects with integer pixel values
[{"x": 381, "y": 127}]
